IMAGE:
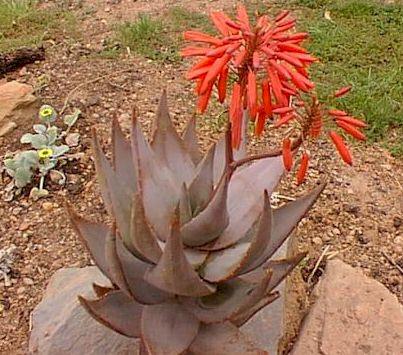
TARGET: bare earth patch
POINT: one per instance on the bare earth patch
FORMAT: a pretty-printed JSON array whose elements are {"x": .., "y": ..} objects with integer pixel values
[{"x": 358, "y": 218}]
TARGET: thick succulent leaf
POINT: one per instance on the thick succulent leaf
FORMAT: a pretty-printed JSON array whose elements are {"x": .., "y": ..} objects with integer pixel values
[
  {"x": 262, "y": 234},
  {"x": 168, "y": 329},
  {"x": 245, "y": 198},
  {"x": 93, "y": 235},
  {"x": 201, "y": 187},
  {"x": 142, "y": 237},
  {"x": 210, "y": 222},
  {"x": 174, "y": 273},
  {"x": 114, "y": 265},
  {"x": 242, "y": 318},
  {"x": 116, "y": 311},
  {"x": 159, "y": 189},
  {"x": 134, "y": 271},
  {"x": 195, "y": 257},
  {"x": 115, "y": 194},
  {"x": 223, "y": 338},
  {"x": 185, "y": 209},
  {"x": 280, "y": 269},
  {"x": 285, "y": 219},
  {"x": 169, "y": 147},
  {"x": 123, "y": 158},
  {"x": 226, "y": 302},
  {"x": 190, "y": 141},
  {"x": 223, "y": 264}
]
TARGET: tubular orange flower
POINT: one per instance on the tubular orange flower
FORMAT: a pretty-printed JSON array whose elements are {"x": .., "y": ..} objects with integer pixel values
[
  {"x": 343, "y": 91},
  {"x": 341, "y": 147},
  {"x": 236, "y": 115},
  {"x": 266, "y": 54},
  {"x": 287, "y": 154},
  {"x": 284, "y": 119},
  {"x": 303, "y": 168},
  {"x": 252, "y": 95},
  {"x": 222, "y": 85},
  {"x": 266, "y": 97},
  {"x": 353, "y": 131},
  {"x": 193, "y": 51},
  {"x": 337, "y": 113},
  {"x": 352, "y": 121},
  {"x": 261, "y": 119}
]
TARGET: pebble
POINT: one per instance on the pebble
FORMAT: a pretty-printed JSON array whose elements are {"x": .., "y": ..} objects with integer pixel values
[
  {"x": 23, "y": 226},
  {"x": 20, "y": 290},
  {"x": 47, "y": 206},
  {"x": 317, "y": 241},
  {"x": 27, "y": 281}
]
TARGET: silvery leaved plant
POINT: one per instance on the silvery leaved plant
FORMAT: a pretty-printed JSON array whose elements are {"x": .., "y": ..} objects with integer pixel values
[{"x": 49, "y": 147}]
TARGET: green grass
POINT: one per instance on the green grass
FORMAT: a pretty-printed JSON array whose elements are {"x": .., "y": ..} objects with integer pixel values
[
  {"x": 23, "y": 23},
  {"x": 361, "y": 46},
  {"x": 160, "y": 38}
]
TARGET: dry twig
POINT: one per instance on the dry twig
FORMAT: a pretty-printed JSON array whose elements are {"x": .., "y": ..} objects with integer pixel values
[
  {"x": 324, "y": 253},
  {"x": 393, "y": 262}
]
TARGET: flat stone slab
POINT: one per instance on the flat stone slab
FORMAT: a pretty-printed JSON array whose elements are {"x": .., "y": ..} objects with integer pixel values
[
  {"x": 352, "y": 315},
  {"x": 61, "y": 326}
]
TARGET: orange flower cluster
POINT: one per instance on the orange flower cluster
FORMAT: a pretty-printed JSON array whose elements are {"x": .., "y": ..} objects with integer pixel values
[
  {"x": 269, "y": 65},
  {"x": 267, "y": 69},
  {"x": 311, "y": 121}
]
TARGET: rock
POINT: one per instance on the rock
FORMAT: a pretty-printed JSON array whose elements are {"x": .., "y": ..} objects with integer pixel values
[
  {"x": 23, "y": 226},
  {"x": 62, "y": 326},
  {"x": 17, "y": 104},
  {"x": 7, "y": 127},
  {"x": 352, "y": 315},
  {"x": 27, "y": 281},
  {"x": 47, "y": 206}
]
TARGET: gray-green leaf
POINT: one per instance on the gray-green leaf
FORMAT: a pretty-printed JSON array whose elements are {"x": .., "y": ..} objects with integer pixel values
[
  {"x": 69, "y": 120},
  {"x": 22, "y": 177},
  {"x": 39, "y": 141},
  {"x": 26, "y": 138},
  {"x": 52, "y": 135},
  {"x": 39, "y": 128},
  {"x": 60, "y": 150}
]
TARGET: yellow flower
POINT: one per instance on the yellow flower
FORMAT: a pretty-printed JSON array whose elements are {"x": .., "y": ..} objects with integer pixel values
[
  {"x": 45, "y": 153},
  {"x": 47, "y": 113}
]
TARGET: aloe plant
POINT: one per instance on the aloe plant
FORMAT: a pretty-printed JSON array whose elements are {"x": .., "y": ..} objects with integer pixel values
[{"x": 189, "y": 250}]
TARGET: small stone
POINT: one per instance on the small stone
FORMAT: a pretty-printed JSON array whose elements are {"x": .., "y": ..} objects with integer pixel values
[
  {"x": 47, "y": 206},
  {"x": 23, "y": 226},
  {"x": 317, "y": 241},
  {"x": 27, "y": 281},
  {"x": 107, "y": 9},
  {"x": 23, "y": 71},
  {"x": 397, "y": 222},
  {"x": 20, "y": 290}
]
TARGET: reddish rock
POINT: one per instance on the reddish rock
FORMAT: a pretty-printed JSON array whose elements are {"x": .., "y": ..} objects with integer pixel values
[
  {"x": 61, "y": 326},
  {"x": 17, "y": 105},
  {"x": 352, "y": 315}
]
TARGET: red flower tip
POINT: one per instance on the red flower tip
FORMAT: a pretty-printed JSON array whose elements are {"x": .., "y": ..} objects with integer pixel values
[
  {"x": 341, "y": 147},
  {"x": 351, "y": 130},
  {"x": 287, "y": 154},
  {"x": 343, "y": 91},
  {"x": 303, "y": 168}
]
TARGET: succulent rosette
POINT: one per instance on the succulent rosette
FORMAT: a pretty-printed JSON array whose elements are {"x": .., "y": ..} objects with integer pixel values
[{"x": 189, "y": 252}]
